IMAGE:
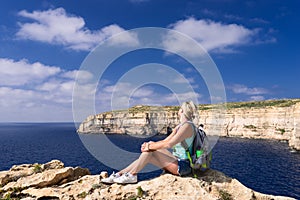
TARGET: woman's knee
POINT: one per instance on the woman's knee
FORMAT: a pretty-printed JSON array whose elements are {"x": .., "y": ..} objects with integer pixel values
[
  {"x": 164, "y": 154},
  {"x": 146, "y": 154}
]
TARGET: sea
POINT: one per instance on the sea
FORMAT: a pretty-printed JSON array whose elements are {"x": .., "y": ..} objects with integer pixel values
[{"x": 266, "y": 166}]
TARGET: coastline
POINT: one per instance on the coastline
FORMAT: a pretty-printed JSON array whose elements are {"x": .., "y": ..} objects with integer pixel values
[
  {"x": 53, "y": 180},
  {"x": 276, "y": 119},
  {"x": 73, "y": 153}
]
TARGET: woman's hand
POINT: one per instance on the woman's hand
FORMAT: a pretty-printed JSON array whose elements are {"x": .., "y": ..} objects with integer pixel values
[{"x": 145, "y": 146}]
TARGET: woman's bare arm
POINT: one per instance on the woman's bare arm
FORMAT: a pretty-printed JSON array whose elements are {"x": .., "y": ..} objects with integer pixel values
[
  {"x": 172, "y": 134},
  {"x": 184, "y": 132}
]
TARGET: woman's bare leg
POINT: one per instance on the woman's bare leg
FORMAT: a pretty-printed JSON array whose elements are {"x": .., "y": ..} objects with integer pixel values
[
  {"x": 161, "y": 158},
  {"x": 129, "y": 167}
]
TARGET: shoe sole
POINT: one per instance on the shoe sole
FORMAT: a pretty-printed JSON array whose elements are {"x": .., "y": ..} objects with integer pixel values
[{"x": 107, "y": 183}]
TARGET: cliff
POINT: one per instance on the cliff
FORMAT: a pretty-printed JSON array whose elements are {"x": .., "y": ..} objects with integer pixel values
[
  {"x": 54, "y": 181},
  {"x": 276, "y": 119}
]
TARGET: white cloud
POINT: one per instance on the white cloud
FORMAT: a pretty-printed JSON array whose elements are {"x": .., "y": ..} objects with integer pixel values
[
  {"x": 185, "y": 96},
  {"x": 143, "y": 92},
  {"x": 242, "y": 89},
  {"x": 32, "y": 105},
  {"x": 128, "y": 39},
  {"x": 182, "y": 79},
  {"x": 17, "y": 73},
  {"x": 217, "y": 99},
  {"x": 213, "y": 36},
  {"x": 159, "y": 99},
  {"x": 20, "y": 105},
  {"x": 37, "y": 92},
  {"x": 257, "y": 98},
  {"x": 55, "y": 26},
  {"x": 127, "y": 94},
  {"x": 46, "y": 92},
  {"x": 16, "y": 97},
  {"x": 120, "y": 95},
  {"x": 80, "y": 75},
  {"x": 49, "y": 86}
]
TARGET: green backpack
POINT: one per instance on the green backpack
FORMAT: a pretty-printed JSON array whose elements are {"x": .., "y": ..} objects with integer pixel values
[{"x": 199, "y": 154}]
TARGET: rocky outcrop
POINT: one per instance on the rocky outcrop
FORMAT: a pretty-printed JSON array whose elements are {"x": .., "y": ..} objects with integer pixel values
[
  {"x": 18, "y": 171},
  {"x": 26, "y": 176},
  {"x": 62, "y": 183},
  {"x": 277, "y": 119}
]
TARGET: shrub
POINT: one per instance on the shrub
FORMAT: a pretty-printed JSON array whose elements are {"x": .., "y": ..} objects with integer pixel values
[
  {"x": 252, "y": 127},
  {"x": 37, "y": 168},
  {"x": 281, "y": 130},
  {"x": 82, "y": 195},
  {"x": 224, "y": 195}
]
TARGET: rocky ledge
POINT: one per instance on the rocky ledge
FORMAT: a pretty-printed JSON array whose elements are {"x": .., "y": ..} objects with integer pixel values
[{"x": 54, "y": 181}]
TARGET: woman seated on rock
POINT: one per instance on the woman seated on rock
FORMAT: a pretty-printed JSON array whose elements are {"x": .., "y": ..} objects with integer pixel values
[{"x": 157, "y": 154}]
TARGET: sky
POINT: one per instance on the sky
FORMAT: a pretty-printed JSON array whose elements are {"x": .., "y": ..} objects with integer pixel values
[{"x": 44, "y": 44}]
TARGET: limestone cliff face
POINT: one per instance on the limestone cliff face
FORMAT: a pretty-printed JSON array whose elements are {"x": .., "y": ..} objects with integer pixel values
[{"x": 268, "y": 120}]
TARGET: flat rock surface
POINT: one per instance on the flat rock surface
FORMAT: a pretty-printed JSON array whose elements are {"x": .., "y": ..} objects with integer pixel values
[{"x": 58, "y": 182}]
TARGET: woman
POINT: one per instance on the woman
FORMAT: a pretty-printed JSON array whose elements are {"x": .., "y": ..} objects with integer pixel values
[{"x": 157, "y": 154}]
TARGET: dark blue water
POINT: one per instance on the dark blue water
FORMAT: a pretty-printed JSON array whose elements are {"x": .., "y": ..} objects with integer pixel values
[{"x": 264, "y": 165}]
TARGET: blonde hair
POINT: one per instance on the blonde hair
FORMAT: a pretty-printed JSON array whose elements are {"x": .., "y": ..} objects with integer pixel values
[{"x": 190, "y": 111}]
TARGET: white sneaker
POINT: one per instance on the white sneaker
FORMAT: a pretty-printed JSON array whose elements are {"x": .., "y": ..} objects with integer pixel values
[
  {"x": 111, "y": 178},
  {"x": 126, "y": 178}
]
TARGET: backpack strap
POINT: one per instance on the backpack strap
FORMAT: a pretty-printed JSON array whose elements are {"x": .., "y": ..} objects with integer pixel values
[{"x": 183, "y": 143}]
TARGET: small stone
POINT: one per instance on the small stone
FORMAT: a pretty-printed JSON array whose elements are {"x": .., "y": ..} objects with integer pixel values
[{"x": 103, "y": 174}]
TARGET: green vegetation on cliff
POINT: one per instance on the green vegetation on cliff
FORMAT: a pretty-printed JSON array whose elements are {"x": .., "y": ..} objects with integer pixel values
[
  {"x": 228, "y": 105},
  {"x": 252, "y": 104},
  {"x": 263, "y": 104}
]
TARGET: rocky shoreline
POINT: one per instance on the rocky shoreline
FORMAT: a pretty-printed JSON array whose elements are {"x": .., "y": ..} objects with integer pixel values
[
  {"x": 53, "y": 180},
  {"x": 276, "y": 119}
]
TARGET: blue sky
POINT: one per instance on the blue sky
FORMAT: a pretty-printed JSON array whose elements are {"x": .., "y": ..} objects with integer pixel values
[{"x": 254, "y": 44}]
